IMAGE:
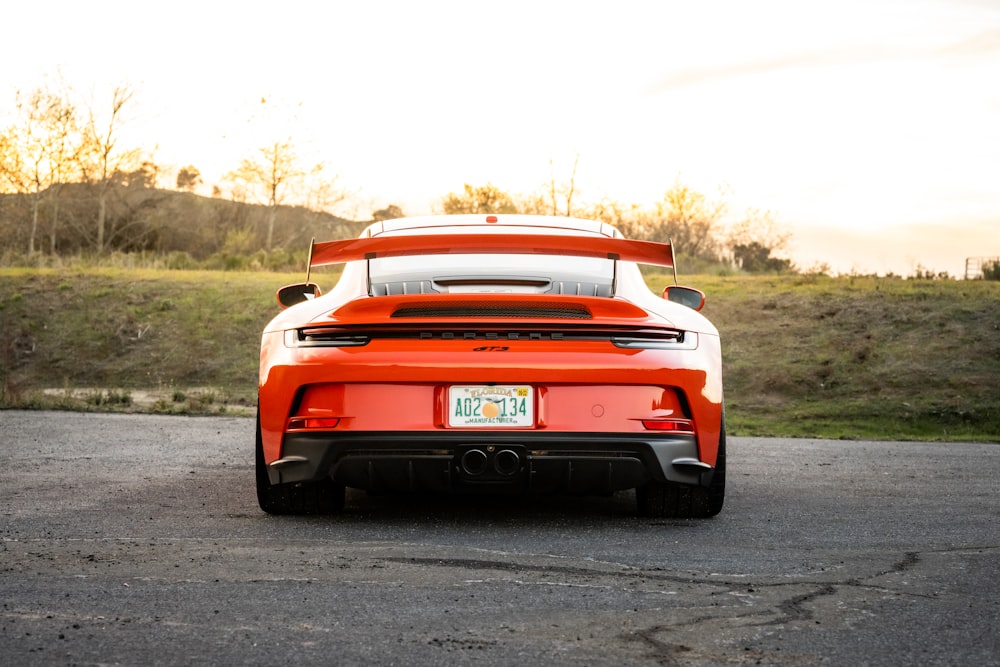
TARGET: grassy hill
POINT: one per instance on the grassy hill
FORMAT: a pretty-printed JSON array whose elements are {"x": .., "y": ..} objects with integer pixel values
[
  {"x": 184, "y": 229},
  {"x": 865, "y": 357},
  {"x": 847, "y": 357}
]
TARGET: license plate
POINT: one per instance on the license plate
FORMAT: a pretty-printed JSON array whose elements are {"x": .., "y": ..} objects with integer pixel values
[{"x": 486, "y": 406}]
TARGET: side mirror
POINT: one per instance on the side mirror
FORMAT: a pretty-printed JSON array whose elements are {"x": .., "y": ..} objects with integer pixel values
[
  {"x": 686, "y": 296},
  {"x": 289, "y": 295}
]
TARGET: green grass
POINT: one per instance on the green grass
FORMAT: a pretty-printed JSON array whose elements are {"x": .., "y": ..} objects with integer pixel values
[
  {"x": 159, "y": 331},
  {"x": 860, "y": 357},
  {"x": 804, "y": 355}
]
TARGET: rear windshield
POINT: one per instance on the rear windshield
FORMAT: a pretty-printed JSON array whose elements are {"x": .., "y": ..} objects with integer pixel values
[{"x": 460, "y": 273}]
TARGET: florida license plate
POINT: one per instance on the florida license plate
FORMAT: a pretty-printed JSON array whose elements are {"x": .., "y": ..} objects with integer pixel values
[{"x": 485, "y": 406}]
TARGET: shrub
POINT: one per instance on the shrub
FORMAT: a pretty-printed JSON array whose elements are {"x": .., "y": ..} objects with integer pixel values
[
  {"x": 179, "y": 260},
  {"x": 112, "y": 397},
  {"x": 991, "y": 271}
]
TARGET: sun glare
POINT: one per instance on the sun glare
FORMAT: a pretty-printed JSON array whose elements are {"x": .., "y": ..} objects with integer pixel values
[{"x": 849, "y": 116}]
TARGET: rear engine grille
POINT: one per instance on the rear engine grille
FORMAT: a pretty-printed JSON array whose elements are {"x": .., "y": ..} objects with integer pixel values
[{"x": 573, "y": 313}]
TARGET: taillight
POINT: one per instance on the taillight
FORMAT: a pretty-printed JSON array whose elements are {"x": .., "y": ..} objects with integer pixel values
[
  {"x": 663, "y": 340},
  {"x": 324, "y": 337}
]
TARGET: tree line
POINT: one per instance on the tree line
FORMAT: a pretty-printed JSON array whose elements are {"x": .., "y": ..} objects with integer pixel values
[
  {"x": 702, "y": 228},
  {"x": 70, "y": 185}
]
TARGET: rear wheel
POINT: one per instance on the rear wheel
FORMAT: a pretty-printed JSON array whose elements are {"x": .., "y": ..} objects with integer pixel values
[
  {"x": 670, "y": 500},
  {"x": 717, "y": 488},
  {"x": 320, "y": 497}
]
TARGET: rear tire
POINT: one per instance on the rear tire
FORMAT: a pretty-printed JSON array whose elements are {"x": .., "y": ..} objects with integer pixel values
[
  {"x": 320, "y": 497},
  {"x": 670, "y": 500},
  {"x": 717, "y": 488}
]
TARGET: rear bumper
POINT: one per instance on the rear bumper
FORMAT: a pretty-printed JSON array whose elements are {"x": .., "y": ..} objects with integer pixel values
[{"x": 490, "y": 462}]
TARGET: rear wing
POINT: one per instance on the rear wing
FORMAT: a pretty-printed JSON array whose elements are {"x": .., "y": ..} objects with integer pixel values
[{"x": 642, "y": 252}]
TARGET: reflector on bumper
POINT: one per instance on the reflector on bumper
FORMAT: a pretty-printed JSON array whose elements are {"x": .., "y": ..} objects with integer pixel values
[
  {"x": 300, "y": 423},
  {"x": 671, "y": 425}
]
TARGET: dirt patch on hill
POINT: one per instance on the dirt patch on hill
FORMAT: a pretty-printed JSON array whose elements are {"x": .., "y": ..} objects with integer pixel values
[{"x": 196, "y": 400}]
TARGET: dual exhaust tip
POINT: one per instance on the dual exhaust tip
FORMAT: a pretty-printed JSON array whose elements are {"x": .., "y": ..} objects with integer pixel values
[{"x": 477, "y": 462}]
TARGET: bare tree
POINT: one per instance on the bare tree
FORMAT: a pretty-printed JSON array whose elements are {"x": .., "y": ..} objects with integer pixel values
[
  {"x": 145, "y": 175},
  {"x": 11, "y": 181},
  {"x": 269, "y": 177},
  {"x": 64, "y": 150},
  {"x": 390, "y": 212},
  {"x": 483, "y": 199},
  {"x": 322, "y": 192},
  {"x": 759, "y": 227},
  {"x": 546, "y": 200},
  {"x": 625, "y": 218},
  {"x": 552, "y": 188},
  {"x": 754, "y": 239},
  {"x": 38, "y": 152},
  {"x": 564, "y": 190},
  {"x": 188, "y": 178},
  {"x": 690, "y": 219},
  {"x": 684, "y": 216},
  {"x": 103, "y": 159}
]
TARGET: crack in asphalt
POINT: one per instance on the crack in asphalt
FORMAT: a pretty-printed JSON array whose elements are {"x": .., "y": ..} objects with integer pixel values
[
  {"x": 732, "y": 634},
  {"x": 795, "y": 608},
  {"x": 792, "y": 607}
]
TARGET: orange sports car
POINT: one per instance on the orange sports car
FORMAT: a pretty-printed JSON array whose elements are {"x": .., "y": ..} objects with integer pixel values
[{"x": 491, "y": 354}]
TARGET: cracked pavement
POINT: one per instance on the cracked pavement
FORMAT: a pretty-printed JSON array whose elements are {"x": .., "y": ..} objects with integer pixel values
[{"x": 130, "y": 539}]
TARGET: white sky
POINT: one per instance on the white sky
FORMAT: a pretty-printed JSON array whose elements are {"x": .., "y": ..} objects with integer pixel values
[{"x": 871, "y": 129}]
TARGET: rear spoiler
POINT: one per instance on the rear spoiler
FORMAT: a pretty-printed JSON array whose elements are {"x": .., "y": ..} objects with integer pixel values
[{"x": 642, "y": 252}]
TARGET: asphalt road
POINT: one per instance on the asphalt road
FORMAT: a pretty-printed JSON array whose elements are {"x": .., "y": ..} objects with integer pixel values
[{"x": 136, "y": 540}]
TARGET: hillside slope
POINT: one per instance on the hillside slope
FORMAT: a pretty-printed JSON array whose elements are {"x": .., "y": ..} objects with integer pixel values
[{"x": 804, "y": 355}]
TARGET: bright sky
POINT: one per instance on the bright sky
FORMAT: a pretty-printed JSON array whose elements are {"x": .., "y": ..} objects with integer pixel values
[{"x": 870, "y": 128}]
